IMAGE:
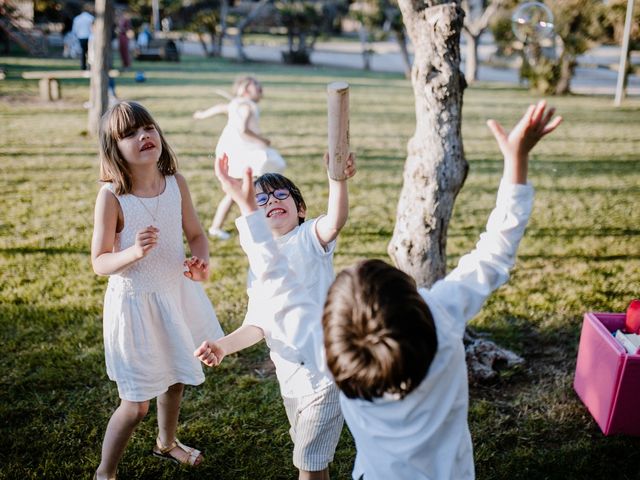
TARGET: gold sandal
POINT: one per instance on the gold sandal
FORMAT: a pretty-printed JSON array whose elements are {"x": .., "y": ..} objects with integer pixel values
[{"x": 162, "y": 451}]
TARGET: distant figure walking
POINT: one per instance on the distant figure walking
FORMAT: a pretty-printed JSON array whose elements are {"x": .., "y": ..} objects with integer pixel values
[
  {"x": 82, "y": 30},
  {"x": 242, "y": 142},
  {"x": 124, "y": 26}
]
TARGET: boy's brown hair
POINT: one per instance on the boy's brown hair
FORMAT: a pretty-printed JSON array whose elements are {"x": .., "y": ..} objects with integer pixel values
[
  {"x": 379, "y": 334},
  {"x": 116, "y": 124}
]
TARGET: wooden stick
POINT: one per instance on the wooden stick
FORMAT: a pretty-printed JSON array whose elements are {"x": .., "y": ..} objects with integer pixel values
[{"x": 338, "y": 123}]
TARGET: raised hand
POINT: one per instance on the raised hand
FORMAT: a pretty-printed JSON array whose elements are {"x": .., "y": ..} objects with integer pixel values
[
  {"x": 350, "y": 164},
  {"x": 197, "y": 269},
  {"x": 241, "y": 191},
  {"x": 516, "y": 145},
  {"x": 146, "y": 239},
  {"x": 209, "y": 353}
]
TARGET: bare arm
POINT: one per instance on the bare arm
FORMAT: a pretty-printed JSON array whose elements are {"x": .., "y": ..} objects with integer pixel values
[
  {"x": 245, "y": 112},
  {"x": 103, "y": 259},
  {"x": 212, "y": 353},
  {"x": 198, "y": 264},
  {"x": 210, "y": 112},
  {"x": 328, "y": 227}
]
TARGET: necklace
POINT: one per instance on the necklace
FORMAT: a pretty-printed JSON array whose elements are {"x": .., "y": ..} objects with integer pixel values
[{"x": 153, "y": 215}]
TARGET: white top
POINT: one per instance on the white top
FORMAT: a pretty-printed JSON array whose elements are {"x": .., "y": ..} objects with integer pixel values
[
  {"x": 426, "y": 435},
  {"x": 82, "y": 25},
  {"x": 154, "y": 317},
  {"x": 243, "y": 150},
  {"x": 306, "y": 256},
  {"x": 284, "y": 310}
]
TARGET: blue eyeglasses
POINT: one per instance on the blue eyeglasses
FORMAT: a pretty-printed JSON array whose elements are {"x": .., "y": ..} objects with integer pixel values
[{"x": 279, "y": 193}]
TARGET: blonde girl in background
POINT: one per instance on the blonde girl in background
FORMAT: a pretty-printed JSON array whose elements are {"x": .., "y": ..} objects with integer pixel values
[
  {"x": 242, "y": 142},
  {"x": 155, "y": 311}
]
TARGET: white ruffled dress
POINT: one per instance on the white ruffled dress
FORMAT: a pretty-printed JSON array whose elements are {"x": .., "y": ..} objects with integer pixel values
[{"x": 155, "y": 317}]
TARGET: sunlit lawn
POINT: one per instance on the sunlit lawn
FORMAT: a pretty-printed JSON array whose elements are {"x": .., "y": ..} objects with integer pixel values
[{"x": 581, "y": 253}]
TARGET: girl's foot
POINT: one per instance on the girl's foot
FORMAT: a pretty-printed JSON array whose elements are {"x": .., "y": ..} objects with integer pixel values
[
  {"x": 219, "y": 234},
  {"x": 178, "y": 453}
]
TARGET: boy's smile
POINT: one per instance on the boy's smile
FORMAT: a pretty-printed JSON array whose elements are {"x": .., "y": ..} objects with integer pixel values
[{"x": 282, "y": 215}]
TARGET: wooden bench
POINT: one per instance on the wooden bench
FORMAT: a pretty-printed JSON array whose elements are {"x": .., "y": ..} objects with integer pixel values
[
  {"x": 158, "y": 49},
  {"x": 49, "y": 80}
]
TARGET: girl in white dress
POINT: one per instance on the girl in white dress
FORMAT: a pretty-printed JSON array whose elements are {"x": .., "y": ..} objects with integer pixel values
[
  {"x": 155, "y": 312},
  {"x": 242, "y": 142}
]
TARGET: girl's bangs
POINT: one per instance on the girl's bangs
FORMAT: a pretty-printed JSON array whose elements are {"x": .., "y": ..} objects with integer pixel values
[{"x": 128, "y": 116}]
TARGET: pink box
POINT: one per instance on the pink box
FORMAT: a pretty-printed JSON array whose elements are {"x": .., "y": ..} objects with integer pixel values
[{"x": 607, "y": 377}]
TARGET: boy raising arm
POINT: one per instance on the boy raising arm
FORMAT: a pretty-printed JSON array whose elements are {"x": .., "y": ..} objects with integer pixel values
[{"x": 396, "y": 351}]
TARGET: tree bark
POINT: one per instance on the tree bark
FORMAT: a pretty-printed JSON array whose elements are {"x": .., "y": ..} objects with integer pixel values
[
  {"x": 435, "y": 168},
  {"x": 566, "y": 73},
  {"x": 99, "y": 84}
]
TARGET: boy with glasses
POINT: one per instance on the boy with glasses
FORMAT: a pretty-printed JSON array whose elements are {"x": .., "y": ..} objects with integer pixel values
[{"x": 285, "y": 308}]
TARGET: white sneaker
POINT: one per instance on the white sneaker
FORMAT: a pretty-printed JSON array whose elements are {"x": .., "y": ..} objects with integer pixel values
[{"x": 219, "y": 234}]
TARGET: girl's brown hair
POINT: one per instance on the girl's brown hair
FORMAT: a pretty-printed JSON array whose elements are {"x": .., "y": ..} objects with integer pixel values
[{"x": 116, "y": 123}]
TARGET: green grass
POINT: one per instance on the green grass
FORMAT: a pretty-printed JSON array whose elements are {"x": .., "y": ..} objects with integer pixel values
[{"x": 581, "y": 253}]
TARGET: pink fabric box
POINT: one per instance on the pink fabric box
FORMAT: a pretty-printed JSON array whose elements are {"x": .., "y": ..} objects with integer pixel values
[{"x": 607, "y": 377}]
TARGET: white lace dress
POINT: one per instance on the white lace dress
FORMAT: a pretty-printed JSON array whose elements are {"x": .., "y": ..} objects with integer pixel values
[
  {"x": 243, "y": 151},
  {"x": 155, "y": 317}
]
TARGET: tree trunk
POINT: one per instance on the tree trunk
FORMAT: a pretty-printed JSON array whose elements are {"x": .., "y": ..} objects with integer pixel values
[
  {"x": 365, "y": 46},
  {"x": 224, "y": 13},
  {"x": 435, "y": 168},
  {"x": 404, "y": 52},
  {"x": 99, "y": 85},
  {"x": 253, "y": 14},
  {"x": 471, "y": 60},
  {"x": 566, "y": 72},
  {"x": 203, "y": 44}
]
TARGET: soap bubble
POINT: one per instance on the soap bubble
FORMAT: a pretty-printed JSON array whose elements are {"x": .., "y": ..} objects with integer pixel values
[{"x": 532, "y": 22}]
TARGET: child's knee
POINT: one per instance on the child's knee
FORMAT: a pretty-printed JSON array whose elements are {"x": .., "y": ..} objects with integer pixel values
[{"x": 136, "y": 411}]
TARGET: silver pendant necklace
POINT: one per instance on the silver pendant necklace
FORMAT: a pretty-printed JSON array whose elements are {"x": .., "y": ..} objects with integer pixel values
[{"x": 153, "y": 215}]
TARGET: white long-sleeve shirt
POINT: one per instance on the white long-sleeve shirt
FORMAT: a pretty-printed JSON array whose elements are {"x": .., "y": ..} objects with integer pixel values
[
  {"x": 281, "y": 306},
  {"x": 426, "y": 435}
]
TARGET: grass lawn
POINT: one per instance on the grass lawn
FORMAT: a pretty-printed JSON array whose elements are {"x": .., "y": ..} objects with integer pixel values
[{"x": 581, "y": 253}]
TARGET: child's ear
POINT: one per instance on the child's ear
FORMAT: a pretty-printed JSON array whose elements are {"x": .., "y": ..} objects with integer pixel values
[{"x": 302, "y": 213}]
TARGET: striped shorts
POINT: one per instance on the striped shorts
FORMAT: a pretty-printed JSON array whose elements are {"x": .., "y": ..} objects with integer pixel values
[{"x": 316, "y": 424}]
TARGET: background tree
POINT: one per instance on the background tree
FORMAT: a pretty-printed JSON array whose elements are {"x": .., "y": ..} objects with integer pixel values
[
  {"x": 478, "y": 14},
  {"x": 102, "y": 32},
  {"x": 435, "y": 168},
  {"x": 378, "y": 18},
  {"x": 302, "y": 21},
  {"x": 549, "y": 68}
]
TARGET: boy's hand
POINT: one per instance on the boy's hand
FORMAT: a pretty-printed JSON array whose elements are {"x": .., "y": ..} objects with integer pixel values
[
  {"x": 209, "y": 353},
  {"x": 241, "y": 191},
  {"x": 516, "y": 145},
  {"x": 197, "y": 269},
  {"x": 350, "y": 165}
]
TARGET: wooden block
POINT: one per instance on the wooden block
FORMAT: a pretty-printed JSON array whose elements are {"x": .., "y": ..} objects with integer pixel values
[{"x": 338, "y": 128}]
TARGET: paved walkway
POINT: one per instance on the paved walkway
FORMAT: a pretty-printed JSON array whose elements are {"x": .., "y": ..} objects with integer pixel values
[{"x": 588, "y": 78}]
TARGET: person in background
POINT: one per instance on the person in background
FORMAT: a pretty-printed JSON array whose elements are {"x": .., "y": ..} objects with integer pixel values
[{"x": 82, "y": 30}]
